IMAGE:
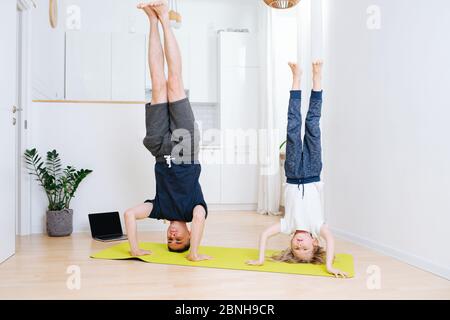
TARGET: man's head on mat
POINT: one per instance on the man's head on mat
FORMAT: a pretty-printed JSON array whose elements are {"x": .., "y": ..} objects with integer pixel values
[
  {"x": 304, "y": 249},
  {"x": 178, "y": 236}
]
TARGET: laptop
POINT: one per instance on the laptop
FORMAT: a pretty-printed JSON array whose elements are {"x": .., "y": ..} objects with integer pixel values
[{"x": 106, "y": 226}]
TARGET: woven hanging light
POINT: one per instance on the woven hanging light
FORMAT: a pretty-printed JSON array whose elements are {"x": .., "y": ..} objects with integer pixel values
[
  {"x": 174, "y": 16},
  {"x": 281, "y": 4}
]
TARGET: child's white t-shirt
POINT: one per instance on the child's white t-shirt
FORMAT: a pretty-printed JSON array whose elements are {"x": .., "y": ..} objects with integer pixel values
[{"x": 304, "y": 209}]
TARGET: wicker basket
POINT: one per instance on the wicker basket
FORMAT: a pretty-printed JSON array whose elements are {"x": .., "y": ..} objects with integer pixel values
[
  {"x": 281, "y": 4},
  {"x": 174, "y": 16}
]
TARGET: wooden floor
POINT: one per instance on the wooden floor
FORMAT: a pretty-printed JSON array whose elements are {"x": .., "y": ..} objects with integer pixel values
[{"x": 38, "y": 271}]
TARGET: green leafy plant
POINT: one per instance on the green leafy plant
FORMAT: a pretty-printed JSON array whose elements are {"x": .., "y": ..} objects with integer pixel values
[{"x": 59, "y": 184}]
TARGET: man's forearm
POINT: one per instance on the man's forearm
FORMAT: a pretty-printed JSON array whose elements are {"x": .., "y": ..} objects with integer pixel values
[
  {"x": 130, "y": 224},
  {"x": 198, "y": 225}
]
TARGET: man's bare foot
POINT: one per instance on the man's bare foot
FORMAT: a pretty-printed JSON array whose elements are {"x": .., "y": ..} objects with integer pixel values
[
  {"x": 296, "y": 75},
  {"x": 149, "y": 11},
  {"x": 160, "y": 7},
  {"x": 140, "y": 252},
  {"x": 317, "y": 75}
]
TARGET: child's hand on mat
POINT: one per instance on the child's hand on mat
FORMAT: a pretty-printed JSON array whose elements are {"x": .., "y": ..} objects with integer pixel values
[
  {"x": 198, "y": 257},
  {"x": 140, "y": 252},
  {"x": 337, "y": 273},
  {"x": 255, "y": 262}
]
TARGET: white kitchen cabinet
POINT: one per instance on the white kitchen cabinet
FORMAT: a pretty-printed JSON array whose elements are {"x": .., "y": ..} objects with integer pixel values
[
  {"x": 238, "y": 49},
  {"x": 47, "y": 64},
  {"x": 211, "y": 176},
  {"x": 88, "y": 66},
  {"x": 128, "y": 67},
  {"x": 239, "y": 100},
  {"x": 105, "y": 66}
]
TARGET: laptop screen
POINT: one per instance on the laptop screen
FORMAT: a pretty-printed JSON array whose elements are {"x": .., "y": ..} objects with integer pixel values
[{"x": 104, "y": 224}]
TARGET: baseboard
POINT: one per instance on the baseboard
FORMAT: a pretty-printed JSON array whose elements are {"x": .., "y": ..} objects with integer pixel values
[
  {"x": 160, "y": 225},
  {"x": 410, "y": 259},
  {"x": 142, "y": 226},
  {"x": 232, "y": 207}
]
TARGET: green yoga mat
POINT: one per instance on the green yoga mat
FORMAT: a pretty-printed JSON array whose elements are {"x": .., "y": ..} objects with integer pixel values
[{"x": 224, "y": 258}]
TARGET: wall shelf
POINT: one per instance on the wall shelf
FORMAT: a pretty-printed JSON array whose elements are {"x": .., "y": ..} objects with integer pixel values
[
  {"x": 90, "y": 101},
  {"x": 195, "y": 104}
]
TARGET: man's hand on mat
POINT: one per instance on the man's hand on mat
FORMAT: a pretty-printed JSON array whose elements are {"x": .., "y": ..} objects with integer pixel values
[
  {"x": 198, "y": 257},
  {"x": 337, "y": 273},
  {"x": 140, "y": 252},
  {"x": 255, "y": 262}
]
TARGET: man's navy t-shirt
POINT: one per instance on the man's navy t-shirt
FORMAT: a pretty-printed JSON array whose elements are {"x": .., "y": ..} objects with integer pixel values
[{"x": 178, "y": 191}]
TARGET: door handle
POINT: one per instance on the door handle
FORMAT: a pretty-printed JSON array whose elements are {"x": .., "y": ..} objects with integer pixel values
[
  {"x": 14, "y": 121},
  {"x": 15, "y": 109}
]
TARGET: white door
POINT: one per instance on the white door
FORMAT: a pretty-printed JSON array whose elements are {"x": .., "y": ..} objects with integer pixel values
[{"x": 8, "y": 38}]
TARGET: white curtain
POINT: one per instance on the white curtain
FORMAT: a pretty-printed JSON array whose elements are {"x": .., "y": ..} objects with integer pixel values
[
  {"x": 269, "y": 173},
  {"x": 280, "y": 43}
]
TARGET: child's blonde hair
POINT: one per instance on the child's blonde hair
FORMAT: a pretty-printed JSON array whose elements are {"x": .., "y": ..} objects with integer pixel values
[{"x": 318, "y": 256}]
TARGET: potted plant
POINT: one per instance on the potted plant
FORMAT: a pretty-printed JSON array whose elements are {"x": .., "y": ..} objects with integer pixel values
[{"x": 60, "y": 186}]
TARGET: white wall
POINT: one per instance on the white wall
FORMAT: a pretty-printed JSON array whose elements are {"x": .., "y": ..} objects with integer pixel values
[
  {"x": 108, "y": 138},
  {"x": 104, "y": 138},
  {"x": 386, "y": 112}
]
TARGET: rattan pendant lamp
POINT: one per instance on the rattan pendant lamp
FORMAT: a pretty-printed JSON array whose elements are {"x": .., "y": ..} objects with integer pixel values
[
  {"x": 174, "y": 14},
  {"x": 281, "y": 4}
]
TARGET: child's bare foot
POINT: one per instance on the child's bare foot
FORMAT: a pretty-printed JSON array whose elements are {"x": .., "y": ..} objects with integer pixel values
[
  {"x": 296, "y": 71},
  {"x": 317, "y": 75},
  {"x": 160, "y": 7},
  {"x": 296, "y": 75}
]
